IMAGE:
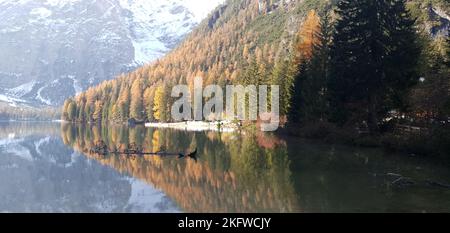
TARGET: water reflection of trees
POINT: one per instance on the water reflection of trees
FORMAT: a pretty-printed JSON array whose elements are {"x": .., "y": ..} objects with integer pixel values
[{"x": 234, "y": 173}]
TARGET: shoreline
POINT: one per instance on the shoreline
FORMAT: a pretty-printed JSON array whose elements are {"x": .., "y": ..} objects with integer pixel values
[
  {"x": 197, "y": 126},
  {"x": 31, "y": 121}
]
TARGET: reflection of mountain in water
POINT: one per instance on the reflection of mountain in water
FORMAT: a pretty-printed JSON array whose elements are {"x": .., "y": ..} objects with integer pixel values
[
  {"x": 38, "y": 173},
  {"x": 235, "y": 173}
]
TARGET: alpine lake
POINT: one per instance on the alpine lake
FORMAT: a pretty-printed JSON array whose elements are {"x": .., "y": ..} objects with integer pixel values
[{"x": 52, "y": 167}]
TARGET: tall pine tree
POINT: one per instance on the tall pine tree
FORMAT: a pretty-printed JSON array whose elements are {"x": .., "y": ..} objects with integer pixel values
[
  {"x": 305, "y": 89},
  {"x": 373, "y": 60}
]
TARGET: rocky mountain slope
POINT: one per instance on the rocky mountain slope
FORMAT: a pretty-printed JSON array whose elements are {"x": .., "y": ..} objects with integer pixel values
[{"x": 54, "y": 49}]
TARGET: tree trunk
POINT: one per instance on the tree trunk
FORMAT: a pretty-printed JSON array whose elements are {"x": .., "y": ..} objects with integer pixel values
[{"x": 372, "y": 117}]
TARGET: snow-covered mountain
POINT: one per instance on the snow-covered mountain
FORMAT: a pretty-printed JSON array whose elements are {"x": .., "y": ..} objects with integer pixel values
[{"x": 53, "y": 49}]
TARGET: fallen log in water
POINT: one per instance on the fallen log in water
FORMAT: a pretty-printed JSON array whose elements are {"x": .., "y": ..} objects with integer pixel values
[
  {"x": 402, "y": 181},
  {"x": 103, "y": 150},
  {"x": 438, "y": 184}
]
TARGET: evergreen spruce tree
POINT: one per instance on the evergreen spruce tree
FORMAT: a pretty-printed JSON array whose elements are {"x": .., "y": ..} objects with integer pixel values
[
  {"x": 373, "y": 60},
  {"x": 319, "y": 71},
  {"x": 283, "y": 75},
  {"x": 297, "y": 102},
  {"x": 308, "y": 85},
  {"x": 252, "y": 76}
]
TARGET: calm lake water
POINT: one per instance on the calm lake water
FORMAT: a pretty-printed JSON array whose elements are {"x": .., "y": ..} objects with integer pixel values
[{"x": 49, "y": 167}]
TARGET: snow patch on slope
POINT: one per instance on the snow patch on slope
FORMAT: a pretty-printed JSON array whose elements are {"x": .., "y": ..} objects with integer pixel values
[
  {"x": 22, "y": 89},
  {"x": 155, "y": 32},
  {"x": 201, "y": 8},
  {"x": 76, "y": 85},
  {"x": 59, "y": 3},
  {"x": 42, "y": 99},
  {"x": 12, "y": 101},
  {"x": 41, "y": 12},
  {"x": 147, "y": 51},
  {"x": 144, "y": 28}
]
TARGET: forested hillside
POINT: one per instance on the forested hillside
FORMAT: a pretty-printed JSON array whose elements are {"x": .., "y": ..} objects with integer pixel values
[
  {"x": 236, "y": 36},
  {"x": 348, "y": 63}
]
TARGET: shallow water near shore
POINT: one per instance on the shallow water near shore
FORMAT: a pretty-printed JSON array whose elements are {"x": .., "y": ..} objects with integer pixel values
[{"x": 49, "y": 167}]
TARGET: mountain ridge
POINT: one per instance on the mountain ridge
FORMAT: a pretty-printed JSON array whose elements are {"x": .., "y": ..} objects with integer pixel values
[{"x": 55, "y": 49}]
